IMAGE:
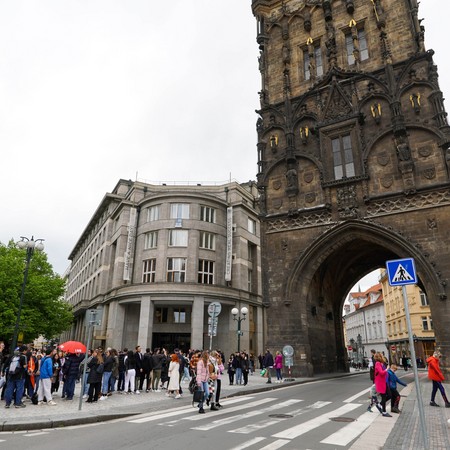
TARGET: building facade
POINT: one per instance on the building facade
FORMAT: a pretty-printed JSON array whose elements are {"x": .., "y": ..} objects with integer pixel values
[
  {"x": 397, "y": 329},
  {"x": 365, "y": 323},
  {"x": 154, "y": 257},
  {"x": 353, "y": 150}
]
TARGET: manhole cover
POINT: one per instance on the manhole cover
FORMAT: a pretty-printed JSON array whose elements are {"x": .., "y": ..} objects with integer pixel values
[
  {"x": 281, "y": 416},
  {"x": 342, "y": 419}
]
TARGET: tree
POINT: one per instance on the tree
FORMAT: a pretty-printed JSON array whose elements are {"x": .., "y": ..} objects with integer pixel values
[{"x": 43, "y": 311}]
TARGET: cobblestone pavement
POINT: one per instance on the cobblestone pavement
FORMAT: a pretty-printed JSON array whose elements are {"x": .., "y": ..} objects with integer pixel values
[{"x": 397, "y": 433}]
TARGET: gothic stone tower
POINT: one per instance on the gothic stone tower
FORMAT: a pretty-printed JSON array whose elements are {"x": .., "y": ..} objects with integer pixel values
[{"x": 353, "y": 165}]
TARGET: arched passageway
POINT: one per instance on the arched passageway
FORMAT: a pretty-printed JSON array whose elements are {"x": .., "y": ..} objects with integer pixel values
[{"x": 317, "y": 285}]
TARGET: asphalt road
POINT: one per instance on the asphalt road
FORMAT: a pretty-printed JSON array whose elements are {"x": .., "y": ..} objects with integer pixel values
[{"x": 328, "y": 414}]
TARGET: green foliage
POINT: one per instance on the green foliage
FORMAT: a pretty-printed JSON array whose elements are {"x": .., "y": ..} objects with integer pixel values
[{"x": 43, "y": 311}]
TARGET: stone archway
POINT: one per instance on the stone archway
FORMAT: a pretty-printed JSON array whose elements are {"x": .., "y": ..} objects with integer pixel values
[{"x": 316, "y": 286}]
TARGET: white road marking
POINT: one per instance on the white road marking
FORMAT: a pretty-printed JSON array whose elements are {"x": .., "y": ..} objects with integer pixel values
[
  {"x": 267, "y": 423},
  {"x": 276, "y": 444},
  {"x": 227, "y": 420},
  {"x": 354, "y": 397},
  {"x": 248, "y": 443},
  {"x": 175, "y": 412},
  {"x": 197, "y": 416},
  {"x": 351, "y": 431},
  {"x": 36, "y": 434},
  {"x": 303, "y": 428}
]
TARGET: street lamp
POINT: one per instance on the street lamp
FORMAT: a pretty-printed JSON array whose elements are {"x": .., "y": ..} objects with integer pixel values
[
  {"x": 30, "y": 245},
  {"x": 239, "y": 319}
]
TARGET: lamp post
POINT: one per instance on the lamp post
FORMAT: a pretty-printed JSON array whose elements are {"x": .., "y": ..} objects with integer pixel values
[
  {"x": 239, "y": 319},
  {"x": 30, "y": 245}
]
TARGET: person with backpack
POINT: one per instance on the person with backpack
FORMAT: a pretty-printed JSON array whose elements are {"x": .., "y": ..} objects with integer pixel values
[
  {"x": 17, "y": 370},
  {"x": 45, "y": 383}
]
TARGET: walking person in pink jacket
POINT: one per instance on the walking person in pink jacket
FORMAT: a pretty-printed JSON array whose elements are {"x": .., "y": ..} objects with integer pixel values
[
  {"x": 278, "y": 366},
  {"x": 380, "y": 377}
]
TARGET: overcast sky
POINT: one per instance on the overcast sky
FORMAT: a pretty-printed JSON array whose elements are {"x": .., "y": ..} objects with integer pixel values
[{"x": 92, "y": 91}]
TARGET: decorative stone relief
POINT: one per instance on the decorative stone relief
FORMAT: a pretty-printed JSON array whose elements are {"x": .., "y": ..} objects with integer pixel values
[
  {"x": 429, "y": 173},
  {"x": 347, "y": 202},
  {"x": 419, "y": 201},
  {"x": 432, "y": 223},
  {"x": 299, "y": 222}
]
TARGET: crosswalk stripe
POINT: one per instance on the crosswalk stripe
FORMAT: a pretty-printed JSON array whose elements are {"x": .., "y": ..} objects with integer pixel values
[
  {"x": 276, "y": 444},
  {"x": 197, "y": 416},
  {"x": 351, "y": 431},
  {"x": 177, "y": 412},
  {"x": 267, "y": 423},
  {"x": 354, "y": 397},
  {"x": 248, "y": 443},
  {"x": 303, "y": 428},
  {"x": 227, "y": 420}
]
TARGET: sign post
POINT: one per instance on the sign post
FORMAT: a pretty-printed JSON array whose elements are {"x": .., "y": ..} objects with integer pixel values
[
  {"x": 213, "y": 311},
  {"x": 402, "y": 272},
  {"x": 288, "y": 353}
]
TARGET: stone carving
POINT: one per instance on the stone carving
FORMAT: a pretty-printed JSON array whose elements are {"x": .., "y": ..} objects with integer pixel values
[
  {"x": 292, "y": 223},
  {"x": 310, "y": 197},
  {"x": 429, "y": 173},
  {"x": 383, "y": 159},
  {"x": 425, "y": 151},
  {"x": 308, "y": 177},
  {"x": 432, "y": 223},
  {"x": 387, "y": 181},
  {"x": 347, "y": 202},
  {"x": 419, "y": 201}
]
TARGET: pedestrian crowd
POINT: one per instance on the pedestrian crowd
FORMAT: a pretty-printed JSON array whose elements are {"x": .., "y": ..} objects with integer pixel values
[
  {"x": 39, "y": 376},
  {"x": 385, "y": 382}
]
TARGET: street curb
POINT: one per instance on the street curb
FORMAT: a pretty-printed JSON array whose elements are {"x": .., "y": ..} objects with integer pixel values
[{"x": 61, "y": 423}]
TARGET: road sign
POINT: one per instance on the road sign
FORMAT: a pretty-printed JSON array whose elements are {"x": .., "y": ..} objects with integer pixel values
[
  {"x": 288, "y": 351},
  {"x": 214, "y": 309},
  {"x": 401, "y": 272}
]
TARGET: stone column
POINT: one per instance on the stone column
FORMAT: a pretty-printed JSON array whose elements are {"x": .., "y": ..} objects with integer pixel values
[
  {"x": 116, "y": 323},
  {"x": 197, "y": 320},
  {"x": 145, "y": 323}
]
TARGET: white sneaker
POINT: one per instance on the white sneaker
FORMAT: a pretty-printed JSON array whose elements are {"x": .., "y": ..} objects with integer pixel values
[
  {"x": 40, "y": 403},
  {"x": 178, "y": 396},
  {"x": 51, "y": 403},
  {"x": 137, "y": 392},
  {"x": 103, "y": 397},
  {"x": 85, "y": 396},
  {"x": 158, "y": 390}
]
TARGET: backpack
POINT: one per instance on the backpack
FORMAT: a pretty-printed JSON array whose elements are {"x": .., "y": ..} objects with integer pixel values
[{"x": 14, "y": 366}]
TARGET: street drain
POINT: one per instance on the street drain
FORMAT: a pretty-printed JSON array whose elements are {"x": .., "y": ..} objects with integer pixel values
[
  {"x": 281, "y": 416},
  {"x": 342, "y": 419}
]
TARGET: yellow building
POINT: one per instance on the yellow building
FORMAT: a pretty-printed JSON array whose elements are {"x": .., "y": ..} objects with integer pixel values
[{"x": 397, "y": 329}]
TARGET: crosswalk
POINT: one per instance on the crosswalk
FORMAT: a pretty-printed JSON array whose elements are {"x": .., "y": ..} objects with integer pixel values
[{"x": 258, "y": 421}]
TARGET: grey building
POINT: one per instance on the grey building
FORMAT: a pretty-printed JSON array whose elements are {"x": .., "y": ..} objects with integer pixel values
[{"x": 154, "y": 257}]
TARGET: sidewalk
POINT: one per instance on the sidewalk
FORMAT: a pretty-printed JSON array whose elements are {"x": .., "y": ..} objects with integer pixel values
[{"x": 399, "y": 432}]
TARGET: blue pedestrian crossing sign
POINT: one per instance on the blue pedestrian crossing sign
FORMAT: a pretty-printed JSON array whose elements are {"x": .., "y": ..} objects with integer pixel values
[{"x": 401, "y": 272}]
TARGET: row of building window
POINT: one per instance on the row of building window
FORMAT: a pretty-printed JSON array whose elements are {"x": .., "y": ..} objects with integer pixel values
[
  {"x": 313, "y": 61},
  {"x": 179, "y": 238},
  {"x": 427, "y": 325},
  {"x": 181, "y": 211},
  {"x": 176, "y": 271}
]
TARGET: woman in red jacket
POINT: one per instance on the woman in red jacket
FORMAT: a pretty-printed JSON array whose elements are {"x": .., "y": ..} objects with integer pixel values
[{"x": 436, "y": 376}]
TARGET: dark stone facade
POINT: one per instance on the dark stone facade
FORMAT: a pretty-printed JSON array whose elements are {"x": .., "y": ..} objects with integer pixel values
[{"x": 354, "y": 165}]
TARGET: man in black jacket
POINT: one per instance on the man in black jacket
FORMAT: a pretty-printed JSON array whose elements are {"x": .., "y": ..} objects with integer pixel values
[
  {"x": 17, "y": 370},
  {"x": 71, "y": 371},
  {"x": 147, "y": 366},
  {"x": 268, "y": 364},
  {"x": 140, "y": 375}
]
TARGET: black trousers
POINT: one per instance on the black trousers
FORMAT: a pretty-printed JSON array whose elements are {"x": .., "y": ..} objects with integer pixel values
[
  {"x": 94, "y": 391},
  {"x": 218, "y": 387}
]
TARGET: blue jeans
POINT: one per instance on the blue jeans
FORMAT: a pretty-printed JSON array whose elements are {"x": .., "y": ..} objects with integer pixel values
[
  {"x": 112, "y": 384},
  {"x": 70, "y": 387},
  {"x": 204, "y": 386},
  {"x": 86, "y": 384},
  {"x": 105, "y": 382},
  {"x": 238, "y": 375},
  {"x": 14, "y": 385}
]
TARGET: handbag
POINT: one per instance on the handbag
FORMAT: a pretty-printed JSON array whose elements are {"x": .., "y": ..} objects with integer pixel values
[
  {"x": 198, "y": 396},
  {"x": 100, "y": 368},
  {"x": 263, "y": 372}
]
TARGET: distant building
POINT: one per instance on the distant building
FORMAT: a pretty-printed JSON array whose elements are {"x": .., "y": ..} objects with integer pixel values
[
  {"x": 397, "y": 329},
  {"x": 365, "y": 324},
  {"x": 154, "y": 257}
]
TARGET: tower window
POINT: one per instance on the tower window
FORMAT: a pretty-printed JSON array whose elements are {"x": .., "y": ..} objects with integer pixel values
[
  {"x": 207, "y": 240},
  {"x": 314, "y": 65},
  {"x": 151, "y": 239},
  {"x": 207, "y": 214},
  {"x": 149, "y": 271},
  {"x": 178, "y": 238},
  {"x": 343, "y": 157},
  {"x": 362, "y": 43},
  {"x": 179, "y": 211},
  {"x": 153, "y": 213},
  {"x": 205, "y": 271}
]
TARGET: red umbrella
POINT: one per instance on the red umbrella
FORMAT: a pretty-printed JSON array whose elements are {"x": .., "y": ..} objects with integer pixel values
[{"x": 73, "y": 347}]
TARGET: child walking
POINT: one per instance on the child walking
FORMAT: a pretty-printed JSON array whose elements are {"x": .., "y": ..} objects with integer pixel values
[
  {"x": 395, "y": 396},
  {"x": 374, "y": 400}
]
